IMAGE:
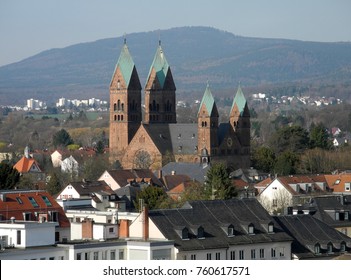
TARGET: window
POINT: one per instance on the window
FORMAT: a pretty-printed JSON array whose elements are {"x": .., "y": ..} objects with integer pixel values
[
  {"x": 231, "y": 230},
  {"x": 241, "y": 255},
  {"x": 185, "y": 233},
  {"x": 19, "y": 237},
  {"x": 113, "y": 255},
  {"x": 261, "y": 253},
  {"x": 54, "y": 216},
  {"x": 111, "y": 230},
  {"x": 79, "y": 256},
  {"x": 218, "y": 256},
  {"x": 96, "y": 255},
  {"x": 121, "y": 254},
  {"x": 193, "y": 257},
  {"x": 251, "y": 229},
  {"x": 19, "y": 200},
  {"x": 26, "y": 216},
  {"x": 273, "y": 253},
  {"x": 46, "y": 200},
  {"x": 342, "y": 247},
  {"x": 232, "y": 255},
  {"x": 33, "y": 202},
  {"x": 253, "y": 254},
  {"x": 274, "y": 202},
  {"x": 281, "y": 252},
  {"x": 347, "y": 187},
  {"x": 209, "y": 256},
  {"x": 270, "y": 228},
  {"x": 317, "y": 249},
  {"x": 330, "y": 248},
  {"x": 200, "y": 233}
]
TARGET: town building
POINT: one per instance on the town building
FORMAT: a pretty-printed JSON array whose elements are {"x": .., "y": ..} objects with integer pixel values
[{"x": 158, "y": 138}]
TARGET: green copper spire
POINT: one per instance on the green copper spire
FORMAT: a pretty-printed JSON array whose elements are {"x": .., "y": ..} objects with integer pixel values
[
  {"x": 160, "y": 65},
  {"x": 239, "y": 100},
  {"x": 125, "y": 63},
  {"x": 208, "y": 101}
]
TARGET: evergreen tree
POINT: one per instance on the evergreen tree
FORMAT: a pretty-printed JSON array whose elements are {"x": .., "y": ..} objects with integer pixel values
[
  {"x": 9, "y": 176},
  {"x": 152, "y": 196},
  {"x": 319, "y": 137},
  {"x": 218, "y": 185},
  {"x": 54, "y": 184},
  {"x": 61, "y": 138}
]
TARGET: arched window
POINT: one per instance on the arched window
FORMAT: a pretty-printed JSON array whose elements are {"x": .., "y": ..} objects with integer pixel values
[
  {"x": 118, "y": 84},
  {"x": 205, "y": 124},
  {"x": 119, "y": 104},
  {"x": 115, "y": 118},
  {"x": 114, "y": 107},
  {"x": 121, "y": 117},
  {"x": 122, "y": 106}
]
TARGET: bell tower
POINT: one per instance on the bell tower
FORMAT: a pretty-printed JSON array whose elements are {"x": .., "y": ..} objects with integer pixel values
[
  {"x": 160, "y": 98},
  {"x": 207, "y": 119},
  {"x": 239, "y": 119},
  {"x": 125, "y": 104}
]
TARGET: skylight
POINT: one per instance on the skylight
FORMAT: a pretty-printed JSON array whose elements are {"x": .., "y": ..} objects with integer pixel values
[
  {"x": 46, "y": 200},
  {"x": 32, "y": 200}
]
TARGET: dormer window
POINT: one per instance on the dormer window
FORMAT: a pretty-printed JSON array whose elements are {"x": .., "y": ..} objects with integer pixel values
[
  {"x": 317, "y": 249},
  {"x": 185, "y": 234},
  {"x": 342, "y": 247},
  {"x": 270, "y": 228},
  {"x": 230, "y": 231},
  {"x": 330, "y": 248},
  {"x": 200, "y": 233},
  {"x": 251, "y": 229}
]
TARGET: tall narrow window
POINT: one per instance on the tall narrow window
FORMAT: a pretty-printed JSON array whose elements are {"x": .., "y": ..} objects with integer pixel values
[{"x": 19, "y": 239}]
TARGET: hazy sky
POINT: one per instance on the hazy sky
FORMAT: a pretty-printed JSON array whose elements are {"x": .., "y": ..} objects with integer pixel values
[{"x": 28, "y": 27}]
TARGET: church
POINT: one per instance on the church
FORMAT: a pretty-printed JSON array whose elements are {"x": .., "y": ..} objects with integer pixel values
[{"x": 153, "y": 140}]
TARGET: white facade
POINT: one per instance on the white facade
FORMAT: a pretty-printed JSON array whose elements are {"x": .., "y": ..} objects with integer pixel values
[
  {"x": 109, "y": 181},
  {"x": 56, "y": 159},
  {"x": 69, "y": 165},
  {"x": 275, "y": 196},
  {"x": 28, "y": 234},
  {"x": 68, "y": 192}
]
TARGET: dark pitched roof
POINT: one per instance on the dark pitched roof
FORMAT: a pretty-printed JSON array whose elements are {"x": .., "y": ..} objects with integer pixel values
[
  {"x": 171, "y": 181},
  {"x": 195, "y": 171},
  {"x": 325, "y": 209},
  {"x": 307, "y": 232},
  {"x": 174, "y": 138},
  {"x": 214, "y": 217},
  {"x": 89, "y": 187},
  {"x": 125, "y": 176}
]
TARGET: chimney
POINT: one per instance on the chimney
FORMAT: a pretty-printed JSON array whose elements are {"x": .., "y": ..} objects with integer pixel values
[
  {"x": 123, "y": 228},
  {"x": 145, "y": 217},
  {"x": 3, "y": 197},
  {"x": 160, "y": 174},
  {"x": 87, "y": 229}
]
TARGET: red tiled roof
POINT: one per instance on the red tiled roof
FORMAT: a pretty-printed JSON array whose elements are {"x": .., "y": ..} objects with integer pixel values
[
  {"x": 16, "y": 203},
  {"x": 337, "y": 182},
  {"x": 25, "y": 164}
]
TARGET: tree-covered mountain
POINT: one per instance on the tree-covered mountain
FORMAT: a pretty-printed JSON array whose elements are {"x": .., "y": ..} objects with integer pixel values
[{"x": 196, "y": 55}]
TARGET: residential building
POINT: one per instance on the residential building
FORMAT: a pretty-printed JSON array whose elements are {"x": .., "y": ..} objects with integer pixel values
[
  {"x": 218, "y": 229},
  {"x": 37, "y": 206},
  {"x": 119, "y": 178},
  {"x": 313, "y": 239}
]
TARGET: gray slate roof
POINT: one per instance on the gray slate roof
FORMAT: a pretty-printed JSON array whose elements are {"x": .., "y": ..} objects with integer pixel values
[
  {"x": 215, "y": 217},
  {"x": 195, "y": 171},
  {"x": 307, "y": 232}
]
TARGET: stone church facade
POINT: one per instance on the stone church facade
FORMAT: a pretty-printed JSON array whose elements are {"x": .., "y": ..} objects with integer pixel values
[{"x": 158, "y": 138}]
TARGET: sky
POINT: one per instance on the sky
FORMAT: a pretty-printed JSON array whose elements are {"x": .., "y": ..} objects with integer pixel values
[{"x": 28, "y": 27}]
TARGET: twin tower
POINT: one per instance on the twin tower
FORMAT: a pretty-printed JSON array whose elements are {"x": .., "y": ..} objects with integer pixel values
[{"x": 155, "y": 139}]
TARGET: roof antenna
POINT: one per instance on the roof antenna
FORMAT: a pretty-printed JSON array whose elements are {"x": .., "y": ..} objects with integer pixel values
[{"x": 125, "y": 38}]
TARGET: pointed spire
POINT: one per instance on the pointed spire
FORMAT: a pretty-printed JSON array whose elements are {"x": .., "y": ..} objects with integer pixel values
[
  {"x": 160, "y": 65},
  {"x": 125, "y": 63},
  {"x": 239, "y": 100},
  {"x": 207, "y": 100}
]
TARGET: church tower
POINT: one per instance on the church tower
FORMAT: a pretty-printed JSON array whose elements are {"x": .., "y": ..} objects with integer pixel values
[
  {"x": 207, "y": 119},
  {"x": 160, "y": 99},
  {"x": 125, "y": 104},
  {"x": 239, "y": 119}
]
